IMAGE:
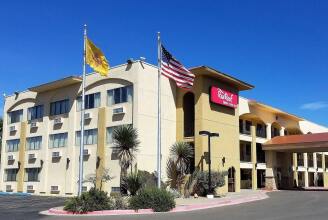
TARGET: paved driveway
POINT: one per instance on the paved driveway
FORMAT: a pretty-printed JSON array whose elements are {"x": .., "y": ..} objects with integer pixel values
[
  {"x": 286, "y": 205},
  {"x": 25, "y": 207}
]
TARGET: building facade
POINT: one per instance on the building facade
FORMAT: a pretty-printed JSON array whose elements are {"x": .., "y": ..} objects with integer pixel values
[{"x": 41, "y": 130}]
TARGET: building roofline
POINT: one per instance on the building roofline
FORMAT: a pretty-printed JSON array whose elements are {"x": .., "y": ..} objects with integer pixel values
[
  {"x": 241, "y": 85},
  {"x": 30, "y": 89}
]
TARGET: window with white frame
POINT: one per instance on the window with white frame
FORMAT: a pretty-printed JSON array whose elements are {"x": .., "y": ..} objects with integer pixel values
[
  {"x": 35, "y": 112},
  {"x": 34, "y": 143},
  {"x": 13, "y": 145},
  {"x": 119, "y": 95},
  {"x": 11, "y": 175},
  {"x": 32, "y": 174},
  {"x": 58, "y": 140},
  {"x": 90, "y": 137},
  {"x": 59, "y": 107},
  {"x": 91, "y": 101},
  {"x": 15, "y": 116}
]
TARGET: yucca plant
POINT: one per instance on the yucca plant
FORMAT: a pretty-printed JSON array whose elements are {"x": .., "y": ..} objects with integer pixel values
[
  {"x": 133, "y": 182},
  {"x": 182, "y": 153},
  {"x": 126, "y": 145},
  {"x": 178, "y": 164}
]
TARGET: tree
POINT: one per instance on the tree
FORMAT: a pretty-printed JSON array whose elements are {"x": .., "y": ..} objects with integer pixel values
[
  {"x": 125, "y": 145},
  {"x": 177, "y": 166}
]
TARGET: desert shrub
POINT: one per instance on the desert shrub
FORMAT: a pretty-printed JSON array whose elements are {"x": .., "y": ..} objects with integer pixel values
[
  {"x": 120, "y": 202},
  {"x": 159, "y": 200},
  {"x": 217, "y": 180},
  {"x": 93, "y": 200},
  {"x": 133, "y": 183}
]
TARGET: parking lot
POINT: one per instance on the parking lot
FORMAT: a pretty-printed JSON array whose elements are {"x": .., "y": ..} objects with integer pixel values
[{"x": 14, "y": 207}]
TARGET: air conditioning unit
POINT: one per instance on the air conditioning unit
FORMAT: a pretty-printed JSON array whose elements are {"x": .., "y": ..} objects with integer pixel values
[
  {"x": 84, "y": 188},
  {"x": 30, "y": 189},
  {"x": 86, "y": 152},
  {"x": 58, "y": 120},
  {"x": 87, "y": 116},
  {"x": 11, "y": 157},
  {"x": 54, "y": 189},
  {"x": 34, "y": 124},
  {"x": 31, "y": 156},
  {"x": 8, "y": 188},
  {"x": 119, "y": 110},
  {"x": 12, "y": 128},
  {"x": 56, "y": 154}
]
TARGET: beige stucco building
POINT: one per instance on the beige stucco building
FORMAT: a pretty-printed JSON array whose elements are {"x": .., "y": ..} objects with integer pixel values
[{"x": 41, "y": 130}]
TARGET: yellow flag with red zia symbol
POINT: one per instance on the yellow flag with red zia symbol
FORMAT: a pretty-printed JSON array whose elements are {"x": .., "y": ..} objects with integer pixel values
[{"x": 96, "y": 59}]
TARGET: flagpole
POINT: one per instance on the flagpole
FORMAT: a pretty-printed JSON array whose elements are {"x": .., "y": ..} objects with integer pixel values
[
  {"x": 82, "y": 113},
  {"x": 159, "y": 154}
]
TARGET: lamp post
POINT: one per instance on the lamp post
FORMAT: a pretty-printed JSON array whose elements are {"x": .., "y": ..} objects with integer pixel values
[{"x": 209, "y": 135}]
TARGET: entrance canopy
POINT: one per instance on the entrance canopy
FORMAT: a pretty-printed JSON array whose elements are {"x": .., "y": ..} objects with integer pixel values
[{"x": 298, "y": 143}]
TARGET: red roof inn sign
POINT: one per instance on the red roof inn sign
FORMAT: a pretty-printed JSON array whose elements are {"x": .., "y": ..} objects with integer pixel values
[{"x": 223, "y": 97}]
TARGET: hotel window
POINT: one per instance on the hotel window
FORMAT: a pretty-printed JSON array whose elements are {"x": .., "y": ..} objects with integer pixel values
[
  {"x": 261, "y": 130},
  {"x": 248, "y": 127},
  {"x": 310, "y": 159},
  {"x": 91, "y": 101},
  {"x": 58, "y": 140},
  {"x": 59, "y": 107},
  {"x": 11, "y": 175},
  {"x": 326, "y": 161},
  {"x": 15, "y": 116},
  {"x": 119, "y": 95},
  {"x": 109, "y": 134},
  {"x": 260, "y": 154},
  {"x": 13, "y": 145},
  {"x": 189, "y": 114},
  {"x": 319, "y": 160},
  {"x": 32, "y": 174},
  {"x": 90, "y": 137},
  {"x": 300, "y": 159},
  {"x": 241, "y": 124},
  {"x": 34, "y": 143},
  {"x": 35, "y": 112}
]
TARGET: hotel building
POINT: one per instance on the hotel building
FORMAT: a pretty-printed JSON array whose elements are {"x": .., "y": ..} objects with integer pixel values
[{"x": 41, "y": 132}]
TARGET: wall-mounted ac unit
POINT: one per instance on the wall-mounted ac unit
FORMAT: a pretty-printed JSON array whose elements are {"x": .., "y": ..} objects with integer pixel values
[
  {"x": 84, "y": 188},
  {"x": 119, "y": 110},
  {"x": 31, "y": 156},
  {"x": 56, "y": 154},
  {"x": 11, "y": 157},
  {"x": 12, "y": 128},
  {"x": 30, "y": 189},
  {"x": 87, "y": 115},
  {"x": 86, "y": 152},
  {"x": 34, "y": 124},
  {"x": 54, "y": 189},
  {"x": 8, "y": 188},
  {"x": 58, "y": 120}
]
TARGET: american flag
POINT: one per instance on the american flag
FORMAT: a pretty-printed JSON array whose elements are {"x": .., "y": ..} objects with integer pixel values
[{"x": 173, "y": 69}]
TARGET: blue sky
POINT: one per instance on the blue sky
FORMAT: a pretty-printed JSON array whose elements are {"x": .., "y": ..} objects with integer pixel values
[{"x": 279, "y": 46}]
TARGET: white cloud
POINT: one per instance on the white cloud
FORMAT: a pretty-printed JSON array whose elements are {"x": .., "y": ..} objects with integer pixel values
[{"x": 314, "y": 105}]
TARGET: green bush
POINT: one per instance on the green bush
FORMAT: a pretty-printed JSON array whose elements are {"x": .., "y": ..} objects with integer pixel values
[
  {"x": 133, "y": 183},
  {"x": 120, "y": 202},
  {"x": 217, "y": 180},
  {"x": 159, "y": 200},
  {"x": 93, "y": 200}
]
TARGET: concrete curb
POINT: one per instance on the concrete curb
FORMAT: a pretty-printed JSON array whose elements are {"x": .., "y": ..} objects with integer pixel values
[{"x": 181, "y": 208}]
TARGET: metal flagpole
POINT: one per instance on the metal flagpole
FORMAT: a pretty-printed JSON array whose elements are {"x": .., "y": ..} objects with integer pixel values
[
  {"x": 82, "y": 113},
  {"x": 159, "y": 154}
]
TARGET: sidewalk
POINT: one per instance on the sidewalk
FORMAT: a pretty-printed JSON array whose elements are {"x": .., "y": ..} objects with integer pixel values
[{"x": 182, "y": 205}]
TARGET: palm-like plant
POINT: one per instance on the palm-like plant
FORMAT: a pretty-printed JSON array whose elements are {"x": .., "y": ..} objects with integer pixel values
[
  {"x": 178, "y": 164},
  {"x": 125, "y": 144},
  {"x": 182, "y": 153}
]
